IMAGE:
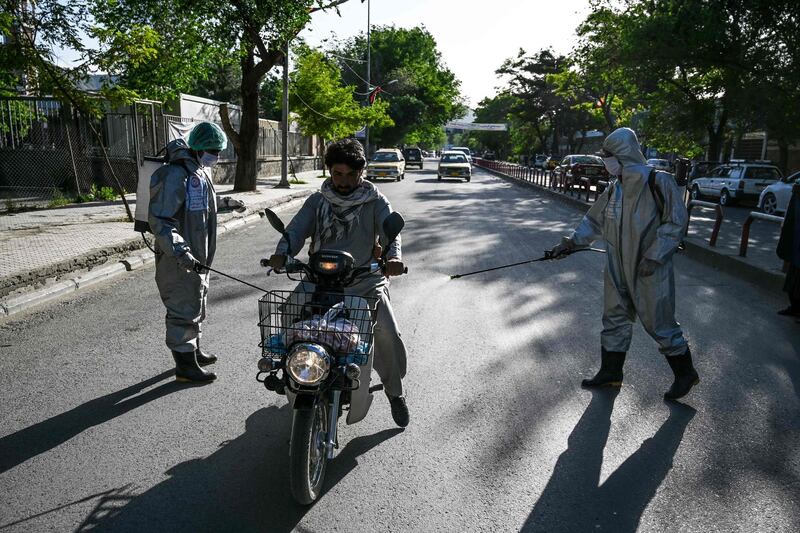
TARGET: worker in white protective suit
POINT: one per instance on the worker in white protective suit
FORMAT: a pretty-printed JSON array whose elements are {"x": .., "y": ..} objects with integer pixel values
[
  {"x": 183, "y": 217},
  {"x": 642, "y": 218}
]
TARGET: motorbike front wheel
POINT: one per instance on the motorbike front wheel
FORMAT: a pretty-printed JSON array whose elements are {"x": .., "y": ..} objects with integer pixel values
[{"x": 307, "y": 455}]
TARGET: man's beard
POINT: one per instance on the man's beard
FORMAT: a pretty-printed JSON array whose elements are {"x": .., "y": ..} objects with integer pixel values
[{"x": 343, "y": 191}]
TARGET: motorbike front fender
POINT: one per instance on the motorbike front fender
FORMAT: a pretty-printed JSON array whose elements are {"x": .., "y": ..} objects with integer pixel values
[{"x": 303, "y": 401}]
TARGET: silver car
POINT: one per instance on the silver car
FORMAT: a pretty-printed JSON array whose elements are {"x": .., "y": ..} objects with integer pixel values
[{"x": 775, "y": 198}]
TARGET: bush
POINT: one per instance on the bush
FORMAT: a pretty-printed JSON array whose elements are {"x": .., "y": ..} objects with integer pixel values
[
  {"x": 58, "y": 199},
  {"x": 105, "y": 193}
]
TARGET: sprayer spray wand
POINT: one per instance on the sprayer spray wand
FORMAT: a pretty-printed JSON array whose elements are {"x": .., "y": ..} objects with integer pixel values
[{"x": 547, "y": 257}]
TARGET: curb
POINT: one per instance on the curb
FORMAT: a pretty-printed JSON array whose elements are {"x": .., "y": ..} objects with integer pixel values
[
  {"x": 142, "y": 259},
  {"x": 740, "y": 267}
]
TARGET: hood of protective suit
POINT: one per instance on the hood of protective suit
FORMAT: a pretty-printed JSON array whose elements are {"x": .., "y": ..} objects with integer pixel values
[
  {"x": 178, "y": 150},
  {"x": 623, "y": 143}
]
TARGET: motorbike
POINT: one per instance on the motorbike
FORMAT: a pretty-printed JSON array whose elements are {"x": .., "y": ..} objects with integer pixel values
[{"x": 317, "y": 348}]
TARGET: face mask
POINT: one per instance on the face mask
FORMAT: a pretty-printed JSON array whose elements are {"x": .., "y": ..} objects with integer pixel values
[
  {"x": 208, "y": 160},
  {"x": 612, "y": 165}
]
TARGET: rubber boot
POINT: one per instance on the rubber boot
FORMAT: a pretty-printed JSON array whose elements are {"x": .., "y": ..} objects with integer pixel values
[
  {"x": 204, "y": 359},
  {"x": 610, "y": 373},
  {"x": 685, "y": 375},
  {"x": 187, "y": 369}
]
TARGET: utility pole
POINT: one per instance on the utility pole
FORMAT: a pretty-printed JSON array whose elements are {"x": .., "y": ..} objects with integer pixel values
[
  {"x": 284, "y": 183},
  {"x": 369, "y": 83}
]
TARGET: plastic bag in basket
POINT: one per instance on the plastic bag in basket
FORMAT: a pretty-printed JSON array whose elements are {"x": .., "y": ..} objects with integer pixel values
[{"x": 338, "y": 333}]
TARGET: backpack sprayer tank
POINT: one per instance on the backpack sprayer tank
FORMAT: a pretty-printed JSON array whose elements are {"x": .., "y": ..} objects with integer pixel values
[{"x": 146, "y": 169}]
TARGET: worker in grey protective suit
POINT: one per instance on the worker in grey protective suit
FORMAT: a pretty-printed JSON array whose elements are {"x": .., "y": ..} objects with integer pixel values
[
  {"x": 347, "y": 214},
  {"x": 183, "y": 217},
  {"x": 642, "y": 226}
]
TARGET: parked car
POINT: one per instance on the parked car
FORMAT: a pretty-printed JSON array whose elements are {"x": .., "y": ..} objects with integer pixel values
[
  {"x": 466, "y": 151},
  {"x": 413, "y": 156},
  {"x": 489, "y": 155},
  {"x": 454, "y": 164},
  {"x": 701, "y": 168},
  {"x": 574, "y": 167},
  {"x": 775, "y": 198},
  {"x": 387, "y": 163},
  {"x": 660, "y": 164},
  {"x": 735, "y": 181},
  {"x": 538, "y": 160}
]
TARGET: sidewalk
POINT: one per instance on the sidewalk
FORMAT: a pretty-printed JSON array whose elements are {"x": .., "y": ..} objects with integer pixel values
[
  {"x": 47, "y": 253},
  {"x": 761, "y": 266}
]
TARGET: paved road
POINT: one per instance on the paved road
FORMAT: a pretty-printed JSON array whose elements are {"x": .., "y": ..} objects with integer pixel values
[{"x": 94, "y": 435}]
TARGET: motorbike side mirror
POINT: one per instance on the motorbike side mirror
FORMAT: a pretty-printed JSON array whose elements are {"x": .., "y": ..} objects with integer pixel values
[
  {"x": 275, "y": 221},
  {"x": 393, "y": 225}
]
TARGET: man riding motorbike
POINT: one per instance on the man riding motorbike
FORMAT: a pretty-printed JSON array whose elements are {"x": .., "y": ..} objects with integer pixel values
[{"x": 347, "y": 214}]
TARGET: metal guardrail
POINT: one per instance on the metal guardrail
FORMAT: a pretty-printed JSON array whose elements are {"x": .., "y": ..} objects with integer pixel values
[
  {"x": 717, "y": 223},
  {"x": 542, "y": 177},
  {"x": 752, "y": 217}
]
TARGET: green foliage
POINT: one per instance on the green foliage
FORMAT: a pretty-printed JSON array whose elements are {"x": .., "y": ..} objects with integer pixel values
[
  {"x": 323, "y": 105},
  {"x": 497, "y": 109},
  {"x": 426, "y": 94},
  {"x": 269, "y": 98},
  {"x": 709, "y": 84},
  {"x": 58, "y": 200},
  {"x": 105, "y": 193}
]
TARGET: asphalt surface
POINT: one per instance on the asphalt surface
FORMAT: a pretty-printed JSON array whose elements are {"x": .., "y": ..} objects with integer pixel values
[{"x": 95, "y": 435}]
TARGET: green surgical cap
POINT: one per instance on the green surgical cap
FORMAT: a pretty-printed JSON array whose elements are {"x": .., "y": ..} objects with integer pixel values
[{"x": 207, "y": 136}]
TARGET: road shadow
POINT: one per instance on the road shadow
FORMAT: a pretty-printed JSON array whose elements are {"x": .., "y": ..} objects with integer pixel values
[
  {"x": 443, "y": 180},
  {"x": 574, "y": 499},
  {"x": 243, "y": 486},
  {"x": 27, "y": 443},
  {"x": 346, "y": 460}
]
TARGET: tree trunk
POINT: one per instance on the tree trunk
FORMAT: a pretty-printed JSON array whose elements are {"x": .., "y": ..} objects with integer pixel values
[
  {"x": 783, "y": 155},
  {"x": 716, "y": 137},
  {"x": 555, "y": 142},
  {"x": 247, "y": 164}
]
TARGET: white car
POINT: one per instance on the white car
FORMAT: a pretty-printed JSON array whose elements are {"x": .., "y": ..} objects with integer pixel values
[
  {"x": 467, "y": 152},
  {"x": 775, "y": 198},
  {"x": 659, "y": 164},
  {"x": 538, "y": 161},
  {"x": 734, "y": 181},
  {"x": 454, "y": 164}
]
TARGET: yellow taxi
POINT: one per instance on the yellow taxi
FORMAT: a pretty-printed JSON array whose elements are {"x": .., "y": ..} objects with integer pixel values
[
  {"x": 454, "y": 164},
  {"x": 387, "y": 163}
]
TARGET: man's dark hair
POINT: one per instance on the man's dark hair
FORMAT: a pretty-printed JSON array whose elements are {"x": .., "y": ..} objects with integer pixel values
[{"x": 348, "y": 152}]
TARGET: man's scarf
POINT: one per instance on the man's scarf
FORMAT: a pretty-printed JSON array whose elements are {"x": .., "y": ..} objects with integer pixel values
[{"x": 337, "y": 215}]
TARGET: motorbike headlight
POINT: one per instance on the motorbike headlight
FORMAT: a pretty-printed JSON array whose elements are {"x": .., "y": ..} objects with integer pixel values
[{"x": 308, "y": 364}]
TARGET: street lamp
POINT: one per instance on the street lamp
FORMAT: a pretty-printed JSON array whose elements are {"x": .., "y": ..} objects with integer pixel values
[{"x": 369, "y": 82}]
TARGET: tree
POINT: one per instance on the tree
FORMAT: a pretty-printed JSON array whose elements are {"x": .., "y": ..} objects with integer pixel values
[
  {"x": 270, "y": 104},
  {"x": 424, "y": 97},
  {"x": 194, "y": 37},
  {"x": 497, "y": 109},
  {"x": 691, "y": 61},
  {"x": 33, "y": 31},
  {"x": 538, "y": 114},
  {"x": 323, "y": 105}
]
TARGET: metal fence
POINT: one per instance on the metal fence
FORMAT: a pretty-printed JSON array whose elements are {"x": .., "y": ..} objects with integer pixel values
[{"x": 49, "y": 150}]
